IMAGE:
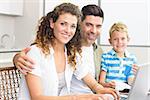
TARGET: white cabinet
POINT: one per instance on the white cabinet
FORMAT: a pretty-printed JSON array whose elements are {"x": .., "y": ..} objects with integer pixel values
[{"x": 11, "y": 7}]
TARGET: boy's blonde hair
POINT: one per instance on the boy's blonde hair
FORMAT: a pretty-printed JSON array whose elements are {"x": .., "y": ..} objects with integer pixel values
[{"x": 120, "y": 27}]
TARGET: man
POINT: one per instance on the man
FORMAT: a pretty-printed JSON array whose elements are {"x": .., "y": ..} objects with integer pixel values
[{"x": 91, "y": 26}]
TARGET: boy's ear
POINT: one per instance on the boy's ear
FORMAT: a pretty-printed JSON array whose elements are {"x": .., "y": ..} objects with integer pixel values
[
  {"x": 128, "y": 39},
  {"x": 109, "y": 40},
  {"x": 51, "y": 23}
]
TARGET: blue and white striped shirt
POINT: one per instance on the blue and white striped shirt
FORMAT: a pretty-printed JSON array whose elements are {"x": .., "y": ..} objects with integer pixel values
[{"x": 117, "y": 69}]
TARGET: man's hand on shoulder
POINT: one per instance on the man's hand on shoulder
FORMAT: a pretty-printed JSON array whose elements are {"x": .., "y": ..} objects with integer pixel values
[{"x": 23, "y": 62}]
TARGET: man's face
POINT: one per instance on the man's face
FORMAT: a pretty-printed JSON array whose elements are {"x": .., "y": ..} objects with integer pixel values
[{"x": 91, "y": 28}]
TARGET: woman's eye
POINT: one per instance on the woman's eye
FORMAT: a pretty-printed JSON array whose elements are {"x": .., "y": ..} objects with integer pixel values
[{"x": 62, "y": 23}]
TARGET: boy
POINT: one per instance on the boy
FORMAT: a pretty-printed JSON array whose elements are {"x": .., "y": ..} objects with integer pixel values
[{"x": 116, "y": 64}]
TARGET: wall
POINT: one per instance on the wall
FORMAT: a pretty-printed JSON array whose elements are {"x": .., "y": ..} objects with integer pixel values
[
  {"x": 49, "y": 4},
  {"x": 6, "y": 26},
  {"x": 134, "y": 13},
  {"x": 22, "y": 27},
  {"x": 25, "y": 27}
]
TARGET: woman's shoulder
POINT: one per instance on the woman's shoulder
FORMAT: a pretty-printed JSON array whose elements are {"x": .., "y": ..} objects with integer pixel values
[{"x": 35, "y": 49}]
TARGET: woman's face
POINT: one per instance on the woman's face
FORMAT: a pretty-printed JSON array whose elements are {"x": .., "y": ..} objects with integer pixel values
[{"x": 64, "y": 28}]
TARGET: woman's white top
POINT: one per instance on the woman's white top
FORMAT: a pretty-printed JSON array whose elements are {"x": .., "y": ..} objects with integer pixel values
[
  {"x": 62, "y": 82},
  {"x": 45, "y": 69},
  {"x": 87, "y": 66}
]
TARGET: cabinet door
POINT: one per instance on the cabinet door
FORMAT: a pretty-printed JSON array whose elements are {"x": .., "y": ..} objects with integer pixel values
[{"x": 11, "y": 7}]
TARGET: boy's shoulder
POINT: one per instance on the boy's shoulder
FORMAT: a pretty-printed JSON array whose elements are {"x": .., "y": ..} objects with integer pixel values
[
  {"x": 130, "y": 55},
  {"x": 110, "y": 52}
]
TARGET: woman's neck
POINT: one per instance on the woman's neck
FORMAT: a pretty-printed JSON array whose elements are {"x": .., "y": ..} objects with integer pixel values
[
  {"x": 59, "y": 56},
  {"x": 58, "y": 47}
]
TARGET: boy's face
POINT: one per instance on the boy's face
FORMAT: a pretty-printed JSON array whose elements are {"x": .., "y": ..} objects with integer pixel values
[
  {"x": 91, "y": 29},
  {"x": 119, "y": 41}
]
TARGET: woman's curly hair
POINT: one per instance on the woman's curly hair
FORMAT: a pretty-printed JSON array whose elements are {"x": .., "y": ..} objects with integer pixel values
[{"x": 45, "y": 36}]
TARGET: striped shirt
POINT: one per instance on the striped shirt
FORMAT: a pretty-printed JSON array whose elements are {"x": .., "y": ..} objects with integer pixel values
[{"x": 117, "y": 69}]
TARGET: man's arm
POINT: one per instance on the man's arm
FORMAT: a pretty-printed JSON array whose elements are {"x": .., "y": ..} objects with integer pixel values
[
  {"x": 37, "y": 94},
  {"x": 23, "y": 62},
  {"x": 102, "y": 78},
  {"x": 98, "y": 88}
]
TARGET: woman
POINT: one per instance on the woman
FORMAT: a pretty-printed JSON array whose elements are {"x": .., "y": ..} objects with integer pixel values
[{"x": 54, "y": 52}]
